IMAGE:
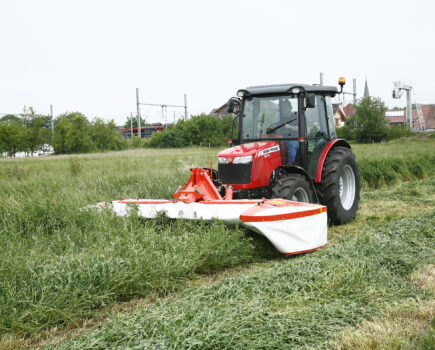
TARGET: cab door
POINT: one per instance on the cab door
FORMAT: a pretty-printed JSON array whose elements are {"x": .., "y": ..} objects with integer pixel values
[{"x": 317, "y": 133}]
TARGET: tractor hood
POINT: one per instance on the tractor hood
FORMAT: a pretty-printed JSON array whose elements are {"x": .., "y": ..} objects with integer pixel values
[{"x": 248, "y": 149}]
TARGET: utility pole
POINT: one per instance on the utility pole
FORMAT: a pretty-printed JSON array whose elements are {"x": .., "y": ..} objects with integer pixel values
[
  {"x": 138, "y": 113},
  {"x": 354, "y": 91},
  {"x": 131, "y": 125},
  {"x": 185, "y": 107},
  {"x": 52, "y": 123}
]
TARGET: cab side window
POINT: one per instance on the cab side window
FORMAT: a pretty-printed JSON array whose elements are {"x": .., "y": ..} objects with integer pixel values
[
  {"x": 316, "y": 119},
  {"x": 331, "y": 124}
]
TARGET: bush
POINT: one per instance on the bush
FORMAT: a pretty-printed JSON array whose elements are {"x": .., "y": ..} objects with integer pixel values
[
  {"x": 74, "y": 133},
  {"x": 370, "y": 121},
  {"x": 345, "y": 132},
  {"x": 202, "y": 130},
  {"x": 398, "y": 131}
]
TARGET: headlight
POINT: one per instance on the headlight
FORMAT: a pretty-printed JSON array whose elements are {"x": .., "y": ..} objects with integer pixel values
[
  {"x": 242, "y": 160},
  {"x": 222, "y": 160}
]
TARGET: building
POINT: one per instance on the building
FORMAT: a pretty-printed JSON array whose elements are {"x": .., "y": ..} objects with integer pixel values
[
  {"x": 395, "y": 117},
  {"x": 221, "y": 111},
  {"x": 398, "y": 117},
  {"x": 428, "y": 115},
  {"x": 339, "y": 115},
  {"x": 349, "y": 110}
]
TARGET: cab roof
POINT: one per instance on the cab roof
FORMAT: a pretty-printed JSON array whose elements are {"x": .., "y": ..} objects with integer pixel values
[{"x": 285, "y": 88}]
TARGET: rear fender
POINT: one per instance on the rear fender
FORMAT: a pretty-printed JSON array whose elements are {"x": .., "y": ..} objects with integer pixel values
[{"x": 331, "y": 145}]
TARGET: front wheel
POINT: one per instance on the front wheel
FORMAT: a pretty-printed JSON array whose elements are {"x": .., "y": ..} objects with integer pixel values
[
  {"x": 294, "y": 187},
  {"x": 339, "y": 188}
]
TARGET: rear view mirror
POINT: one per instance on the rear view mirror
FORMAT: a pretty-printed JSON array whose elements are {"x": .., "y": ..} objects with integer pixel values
[
  {"x": 230, "y": 105},
  {"x": 310, "y": 101}
]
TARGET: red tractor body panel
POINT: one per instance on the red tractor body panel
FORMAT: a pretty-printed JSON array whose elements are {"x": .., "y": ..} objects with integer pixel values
[
  {"x": 338, "y": 142},
  {"x": 266, "y": 157}
]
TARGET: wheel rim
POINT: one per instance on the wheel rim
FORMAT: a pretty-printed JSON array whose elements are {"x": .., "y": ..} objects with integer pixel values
[
  {"x": 347, "y": 187},
  {"x": 300, "y": 195}
]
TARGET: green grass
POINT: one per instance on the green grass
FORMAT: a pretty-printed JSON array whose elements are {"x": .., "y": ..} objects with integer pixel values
[
  {"x": 399, "y": 160},
  {"x": 299, "y": 302},
  {"x": 59, "y": 265}
]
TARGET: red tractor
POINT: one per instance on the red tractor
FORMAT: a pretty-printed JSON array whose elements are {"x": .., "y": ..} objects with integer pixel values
[{"x": 287, "y": 147}]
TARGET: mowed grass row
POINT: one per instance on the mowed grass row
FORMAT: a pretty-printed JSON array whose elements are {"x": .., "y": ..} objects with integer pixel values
[
  {"x": 57, "y": 263},
  {"x": 301, "y": 302}
]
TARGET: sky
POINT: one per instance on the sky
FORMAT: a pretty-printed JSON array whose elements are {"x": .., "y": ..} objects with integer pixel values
[{"x": 90, "y": 56}]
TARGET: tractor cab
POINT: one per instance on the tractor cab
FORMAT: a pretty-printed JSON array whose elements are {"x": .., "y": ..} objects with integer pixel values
[
  {"x": 283, "y": 131},
  {"x": 299, "y": 118}
]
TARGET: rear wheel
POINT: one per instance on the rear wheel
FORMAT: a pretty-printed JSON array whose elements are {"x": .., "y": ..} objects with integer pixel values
[
  {"x": 294, "y": 187},
  {"x": 340, "y": 186}
]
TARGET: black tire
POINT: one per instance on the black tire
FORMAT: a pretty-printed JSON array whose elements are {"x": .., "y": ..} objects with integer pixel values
[
  {"x": 339, "y": 188},
  {"x": 294, "y": 187}
]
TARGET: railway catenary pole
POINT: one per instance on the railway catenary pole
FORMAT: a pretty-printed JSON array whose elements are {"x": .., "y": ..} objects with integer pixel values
[
  {"x": 354, "y": 91},
  {"x": 138, "y": 113},
  {"x": 131, "y": 125},
  {"x": 185, "y": 107},
  {"x": 52, "y": 123},
  {"x": 162, "y": 106}
]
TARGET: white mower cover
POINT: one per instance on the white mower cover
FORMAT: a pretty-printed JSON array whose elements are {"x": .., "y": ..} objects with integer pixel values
[{"x": 292, "y": 227}]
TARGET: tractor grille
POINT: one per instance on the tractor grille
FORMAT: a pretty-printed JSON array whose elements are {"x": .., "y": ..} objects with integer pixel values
[{"x": 235, "y": 174}]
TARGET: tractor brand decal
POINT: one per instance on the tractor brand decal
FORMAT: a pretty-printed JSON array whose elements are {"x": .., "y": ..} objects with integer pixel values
[{"x": 268, "y": 150}]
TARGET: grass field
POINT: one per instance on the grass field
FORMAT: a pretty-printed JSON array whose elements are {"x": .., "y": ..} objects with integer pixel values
[{"x": 163, "y": 284}]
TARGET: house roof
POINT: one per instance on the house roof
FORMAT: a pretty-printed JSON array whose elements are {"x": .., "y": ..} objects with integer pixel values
[
  {"x": 349, "y": 110},
  {"x": 220, "y": 110},
  {"x": 338, "y": 112},
  {"x": 428, "y": 115},
  {"x": 400, "y": 116}
]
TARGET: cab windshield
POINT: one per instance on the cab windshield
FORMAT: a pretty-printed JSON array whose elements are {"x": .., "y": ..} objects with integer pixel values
[{"x": 270, "y": 117}]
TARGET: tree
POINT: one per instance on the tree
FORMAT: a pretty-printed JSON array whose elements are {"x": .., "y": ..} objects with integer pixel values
[
  {"x": 134, "y": 120},
  {"x": 105, "y": 136},
  {"x": 10, "y": 118},
  {"x": 199, "y": 130},
  {"x": 35, "y": 134},
  {"x": 11, "y": 137},
  {"x": 370, "y": 124},
  {"x": 398, "y": 131},
  {"x": 72, "y": 134}
]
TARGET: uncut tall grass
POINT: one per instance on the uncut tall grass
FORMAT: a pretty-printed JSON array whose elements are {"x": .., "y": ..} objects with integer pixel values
[{"x": 57, "y": 263}]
